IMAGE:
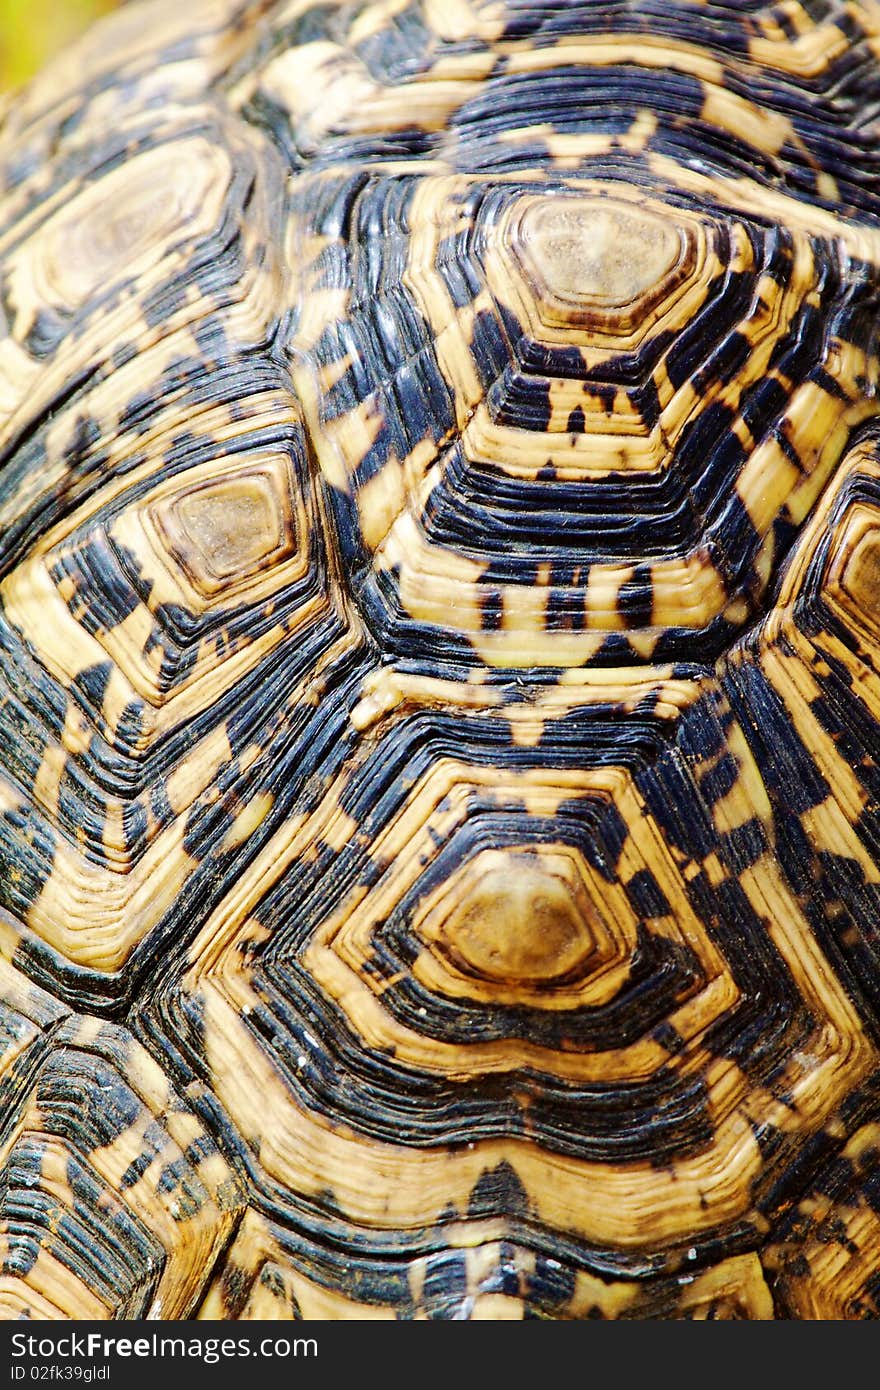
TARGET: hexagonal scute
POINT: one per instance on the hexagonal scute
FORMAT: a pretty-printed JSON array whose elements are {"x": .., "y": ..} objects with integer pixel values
[
  {"x": 528, "y": 485},
  {"x": 440, "y": 664},
  {"x": 114, "y": 1200}
]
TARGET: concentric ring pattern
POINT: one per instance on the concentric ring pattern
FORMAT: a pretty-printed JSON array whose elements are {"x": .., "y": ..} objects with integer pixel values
[{"x": 440, "y": 663}]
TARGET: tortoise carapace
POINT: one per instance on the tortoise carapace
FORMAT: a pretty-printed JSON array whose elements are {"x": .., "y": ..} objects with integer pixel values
[{"x": 440, "y": 663}]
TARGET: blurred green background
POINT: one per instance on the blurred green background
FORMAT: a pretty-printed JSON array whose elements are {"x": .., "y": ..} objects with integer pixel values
[{"x": 32, "y": 30}]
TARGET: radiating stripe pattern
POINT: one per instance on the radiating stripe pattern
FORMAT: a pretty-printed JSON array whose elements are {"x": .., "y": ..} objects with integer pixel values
[{"x": 440, "y": 663}]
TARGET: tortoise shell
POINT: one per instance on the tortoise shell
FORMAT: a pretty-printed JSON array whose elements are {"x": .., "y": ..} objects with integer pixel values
[{"x": 440, "y": 663}]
